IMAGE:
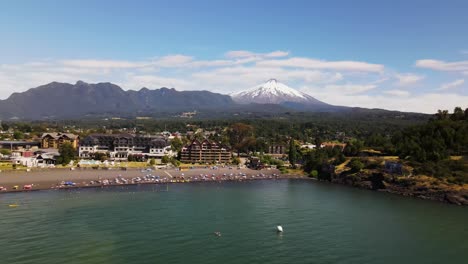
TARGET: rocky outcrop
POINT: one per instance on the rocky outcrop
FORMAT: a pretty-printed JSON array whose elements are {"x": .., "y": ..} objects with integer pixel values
[{"x": 416, "y": 186}]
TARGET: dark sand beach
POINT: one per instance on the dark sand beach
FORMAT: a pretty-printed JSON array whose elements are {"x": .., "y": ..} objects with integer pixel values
[{"x": 52, "y": 178}]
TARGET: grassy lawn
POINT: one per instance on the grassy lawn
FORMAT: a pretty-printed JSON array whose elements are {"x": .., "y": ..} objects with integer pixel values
[{"x": 295, "y": 172}]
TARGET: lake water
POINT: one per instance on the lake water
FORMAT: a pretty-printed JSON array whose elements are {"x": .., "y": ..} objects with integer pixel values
[{"x": 322, "y": 223}]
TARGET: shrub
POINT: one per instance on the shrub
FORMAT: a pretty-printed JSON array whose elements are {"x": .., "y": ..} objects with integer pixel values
[{"x": 356, "y": 165}]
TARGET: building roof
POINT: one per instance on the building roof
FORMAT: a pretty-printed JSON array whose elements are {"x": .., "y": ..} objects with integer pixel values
[
  {"x": 204, "y": 143},
  {"x": 14, "y": 142},
  {"x": 59, "y": 135},
  {"x": 115, "y": 140}
]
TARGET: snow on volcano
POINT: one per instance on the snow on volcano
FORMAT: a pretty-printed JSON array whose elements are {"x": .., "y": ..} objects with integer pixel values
[{"x": 273, "y": 92}]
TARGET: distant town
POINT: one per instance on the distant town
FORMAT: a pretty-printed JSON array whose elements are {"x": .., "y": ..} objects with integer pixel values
[{"x": 116, "y": 146}]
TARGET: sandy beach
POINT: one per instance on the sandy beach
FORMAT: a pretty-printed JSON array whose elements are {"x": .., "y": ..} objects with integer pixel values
[{"x": 52, "y": 178}]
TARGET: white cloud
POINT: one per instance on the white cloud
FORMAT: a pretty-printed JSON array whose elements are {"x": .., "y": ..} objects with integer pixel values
[
  {"x": 298, "y": 62},
  {"x": 246, "y": 54},
  {"x": 396, "y": 92},
  {"x": 408, "y": 79},
  {"x": 438, "y": 65},
  {"x": 276, "y": 54},
  {"x": 347, "y": 89},
  {"x": 424, "y": 103},
  {"x": 177, "y": 60},
  {"x": 235, "y": 78},
  {"x": 348, "y": 83},
  {"x": 239, "y": 54},
  {"x": 136, "y": 82},
  {"x": 451, "y": 85},
  {"x": 214, "y": 63},
  {"x": 102, "y": 64}
]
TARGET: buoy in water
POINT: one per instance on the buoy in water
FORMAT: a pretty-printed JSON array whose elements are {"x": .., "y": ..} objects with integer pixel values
[
  {"x": 279, "y": 229},
  {"x": 217, "y": 233}
]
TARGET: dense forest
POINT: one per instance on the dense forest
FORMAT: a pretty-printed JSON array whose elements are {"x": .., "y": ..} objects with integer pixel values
[
  {"x": 307, "y": 127},
  {"x": 437, "y": 148}
]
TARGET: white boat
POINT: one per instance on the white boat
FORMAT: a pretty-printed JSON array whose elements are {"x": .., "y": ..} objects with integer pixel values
[{"x": 279, "y": 228}]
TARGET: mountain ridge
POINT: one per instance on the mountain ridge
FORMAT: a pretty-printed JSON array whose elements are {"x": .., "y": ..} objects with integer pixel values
[
  {"x": 63, "y": 100},
  {"x": 57, "y": 100}
]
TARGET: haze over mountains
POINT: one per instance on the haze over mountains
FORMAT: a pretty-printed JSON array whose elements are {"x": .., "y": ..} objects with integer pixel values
[{"x": 63, "y": 100}]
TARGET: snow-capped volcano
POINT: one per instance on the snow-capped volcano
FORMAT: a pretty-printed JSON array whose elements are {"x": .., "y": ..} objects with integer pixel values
[{"x": 273, "y": 92}]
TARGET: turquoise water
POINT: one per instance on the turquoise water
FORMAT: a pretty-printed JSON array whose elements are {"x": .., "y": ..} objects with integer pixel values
[{"x": 322, "y": 223}]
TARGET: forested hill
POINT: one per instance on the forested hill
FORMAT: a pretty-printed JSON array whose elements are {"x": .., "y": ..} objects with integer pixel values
[{"x": 443, "y": 136}]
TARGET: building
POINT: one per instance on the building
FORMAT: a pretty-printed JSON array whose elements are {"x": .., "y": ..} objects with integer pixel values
[
  {"x": 277, "y": 149},
  {"x": 205, "y": 152},
  {"x": 55, "y": 140},
  {"x": 308, "y": 146},
  {"x": 37, "y": 159},
  {"x": 19, "y": 145},
  {"x": 393, "y": 167},
  {"x": 332, "y": 145},
  {"x": 255, "y": 163},
  {"x": 120, "y": 146}
]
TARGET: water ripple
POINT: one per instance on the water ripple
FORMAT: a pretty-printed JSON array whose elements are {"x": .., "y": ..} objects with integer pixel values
[{"x": 322, "y": 223}]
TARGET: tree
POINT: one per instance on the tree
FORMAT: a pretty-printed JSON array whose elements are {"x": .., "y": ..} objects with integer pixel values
[
  {"x": 165, "y": 159},
  {"x": 236, "y": 161},
  {"x": 175, "y": 162},
  {"x": 356, "y": 165},
  {"x": 353, "y": 148},
  {"x": 318, "y": 141},
  {"x": 442, "y": 114},
  {"x": 340, "y": 158},
  {"x": 238, "y": 134},
  {"x": 99, "y": 156},
  {"x": 67, "y": 153},
  {"x": 5, "y": 127},
  {"x": 5, "y": 152},
  {"x": 292, "y": 155},
  {"x": 18, "y": 135},
  {"x": 152, "y": 162},
  {"x": 247, "y": 145},
  {"x": 458, "y": 114},
  {"x": 313, "y": 174},
  {"x": 261, "y": 145},
  {"x": 176, "y": 144}
]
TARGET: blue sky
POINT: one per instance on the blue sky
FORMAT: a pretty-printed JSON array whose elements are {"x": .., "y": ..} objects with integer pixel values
[{"x": 402, "y": 55}]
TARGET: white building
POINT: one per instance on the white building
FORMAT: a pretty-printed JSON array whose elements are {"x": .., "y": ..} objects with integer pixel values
[{"x": 119, "y": 147}]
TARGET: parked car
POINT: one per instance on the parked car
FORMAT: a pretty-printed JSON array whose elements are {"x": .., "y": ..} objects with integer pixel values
[{"x": 3, "y": 188}]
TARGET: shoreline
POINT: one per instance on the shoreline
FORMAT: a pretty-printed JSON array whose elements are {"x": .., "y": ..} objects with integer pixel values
[
  {"x": 79, "y": 178},
  {"x": 156, "y": 183},
  {"x": 54, "y": 179}
]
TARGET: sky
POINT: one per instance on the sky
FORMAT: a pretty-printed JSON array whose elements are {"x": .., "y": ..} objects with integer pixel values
[{"x": 397, "y": 55}]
